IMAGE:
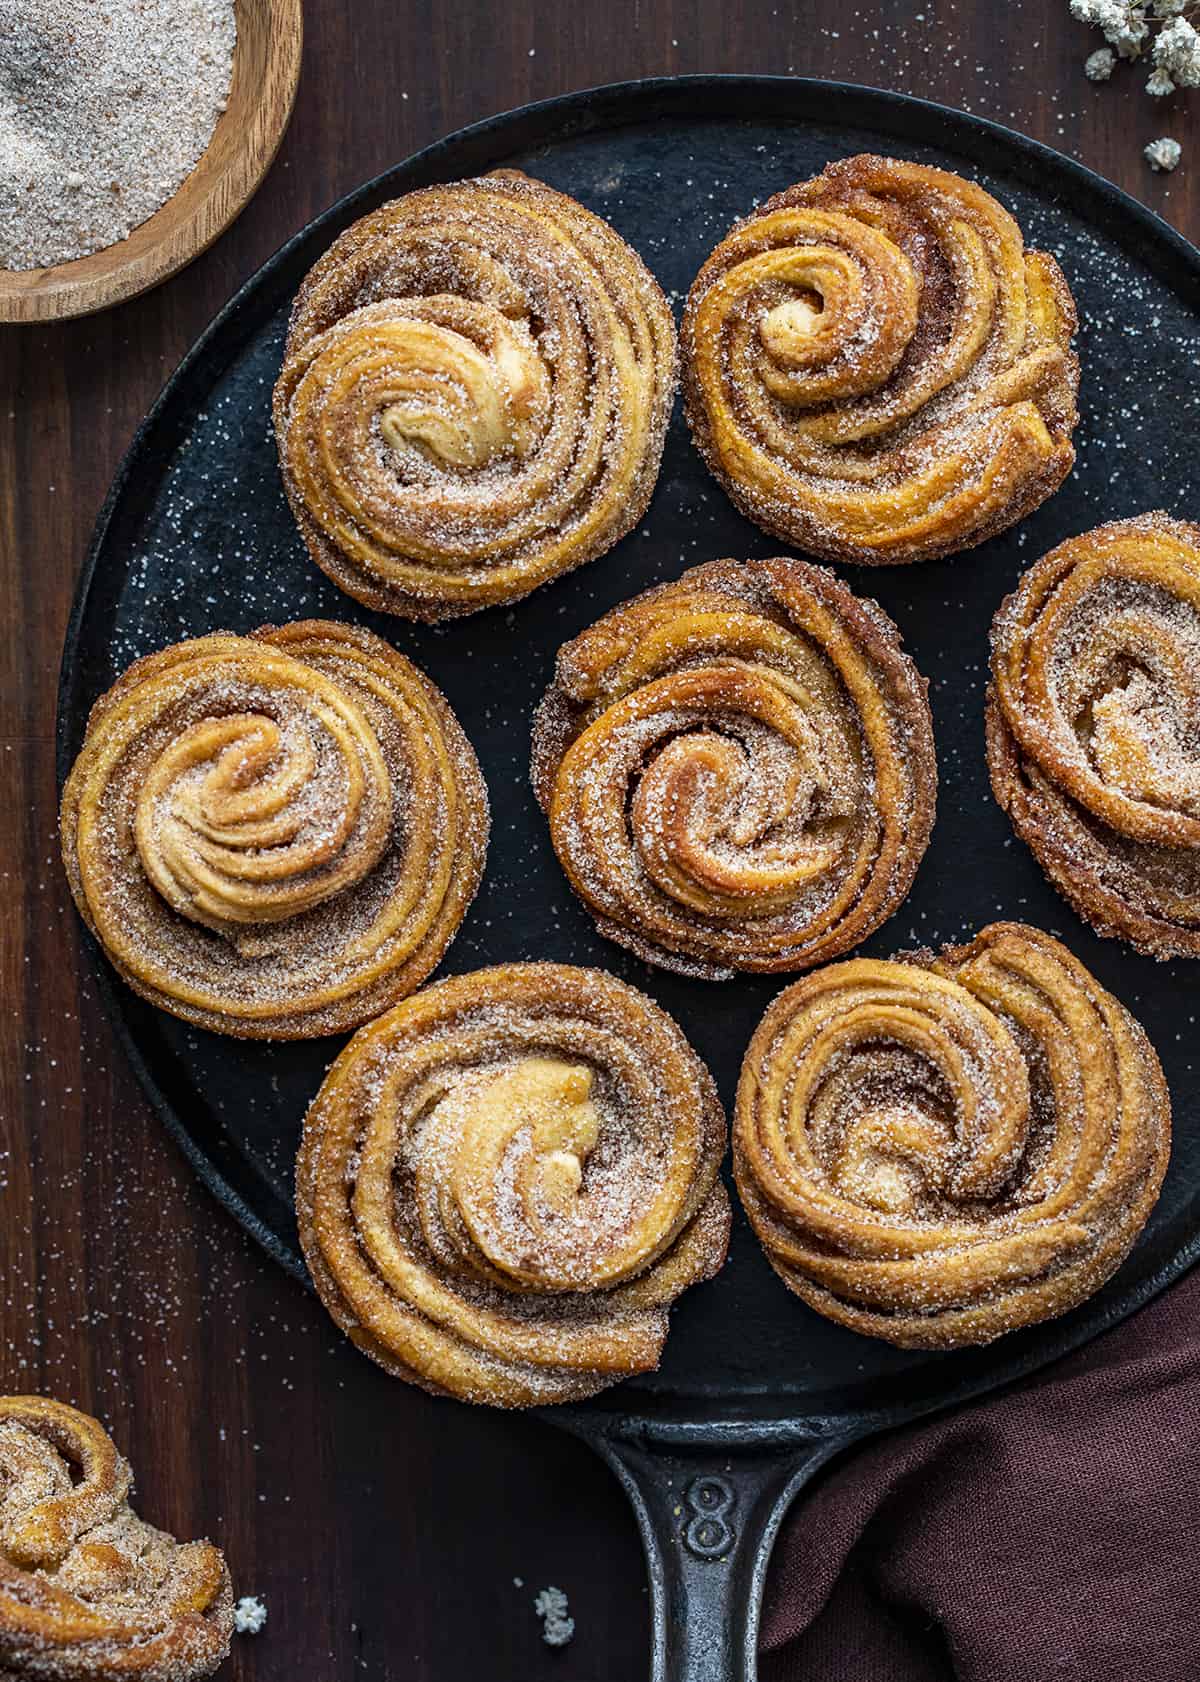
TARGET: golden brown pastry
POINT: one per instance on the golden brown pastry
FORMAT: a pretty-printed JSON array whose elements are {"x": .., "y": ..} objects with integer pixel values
[
  {"x": 505, "y": 1183},
  {"x": 1094, "y": 727},
  {"x": 938, "y": 1150},
  {"x": 474, "y": 396},
  {"x": 738, "y": 769},
  {"x": 877, "y": 370},
  {"x": 88, "y": 1592},
  {"x": 275, "y": 836}
]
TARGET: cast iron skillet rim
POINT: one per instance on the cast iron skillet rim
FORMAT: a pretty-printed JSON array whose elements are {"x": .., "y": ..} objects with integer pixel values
[{"x": 691, "y": 1419}]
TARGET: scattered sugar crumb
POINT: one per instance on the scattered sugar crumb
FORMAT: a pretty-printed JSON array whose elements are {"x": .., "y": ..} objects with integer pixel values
[
  {"x": 249, "y": 1615},
  {"x": 1163, "y": 154},
  {"x": 552, "y": 1607}
]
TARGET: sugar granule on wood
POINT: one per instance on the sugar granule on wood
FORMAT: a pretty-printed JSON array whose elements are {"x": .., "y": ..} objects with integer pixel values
[{"x": 106, "y": 106}]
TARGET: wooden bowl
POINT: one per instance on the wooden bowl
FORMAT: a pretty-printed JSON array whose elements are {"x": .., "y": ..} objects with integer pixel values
[{"x": 266, "y": 69}]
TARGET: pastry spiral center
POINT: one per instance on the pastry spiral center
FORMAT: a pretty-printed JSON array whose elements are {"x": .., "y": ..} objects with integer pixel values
[
  {"x": 828, "y": 316},
  {"x": 1109, "y": 661},
  {"x": 910, "y": 1098},
  {"x": 552, "y": 1101},
  {"x": 738, "y": 814},
  {"x": 897, "y": 1137},
  {"x": 787, "y": 330},
  {"x": 451, "y": 383},
  {"x": 524, "y": 1179},
  {"x": 250, "y": 819},
  {"x": 1134, "y": 690},
  {"x": 1138, "y": 746},
  {"x": 523, "y": 1135}
]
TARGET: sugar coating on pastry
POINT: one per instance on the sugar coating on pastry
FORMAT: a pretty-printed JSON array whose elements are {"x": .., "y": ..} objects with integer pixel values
[
  {"x": 1093, "y": 726},
  {"x": 505, "y": 1182},
  {"x": 938, "y": 1150},
  {"x": 738, "y": 769},
  {"x": 88, "y": 1591},
  {"x": 275, "y": 836},
  {"x": 877, "y": 370},
  {"x": 474, "y": 396}
]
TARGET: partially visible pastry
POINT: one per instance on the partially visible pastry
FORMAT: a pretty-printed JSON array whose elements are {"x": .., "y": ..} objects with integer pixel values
[
  {"x": 88, "y": 1591},
  {"x": 877, "y": 370},
  {"x": 274, "y": 836},
  {"x": 1093, "y": 727},
  {"x": 939, "y": 1150},
  {"x": 474, "y": 396},
  {"x": 505, "y": 1183},
  {"x": 738, "y": 769}
]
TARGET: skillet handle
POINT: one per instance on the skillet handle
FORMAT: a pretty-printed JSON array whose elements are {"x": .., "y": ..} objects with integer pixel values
[{"x": 708, "y": 1514}]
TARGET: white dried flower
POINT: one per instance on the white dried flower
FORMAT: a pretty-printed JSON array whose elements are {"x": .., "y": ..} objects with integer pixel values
[
  {"x": 1177, "y": 51},
  {"x": 1099, "y": 12},
  {"x": 1128, "y": 35},
  {"x": 1099, "y": 66},
  {"x": 1160, "y": 83},
  {"x": 1163, "y": 154},
  {"x": 1170, "y": 8},
  {"x": 1118, "y": 19}
]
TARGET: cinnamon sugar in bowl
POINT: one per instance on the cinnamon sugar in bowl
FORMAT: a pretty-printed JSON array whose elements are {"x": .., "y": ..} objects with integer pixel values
[{"x": 246, "y": 136}]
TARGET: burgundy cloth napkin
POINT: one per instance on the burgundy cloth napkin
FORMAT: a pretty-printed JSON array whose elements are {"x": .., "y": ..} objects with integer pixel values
[{"x": 1051, "y": 1534}]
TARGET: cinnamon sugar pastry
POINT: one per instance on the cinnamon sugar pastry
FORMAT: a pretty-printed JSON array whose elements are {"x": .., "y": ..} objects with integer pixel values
[
  {"x": 474, "y": 396},
  {"x": 274, "y": 836},
  {"x": 938, "y": 1150},
  {"x": 88, "y": 1591},
  {"x": 738, "y": 769},
  {"x": 877, "y": 370},
  {"x": 1094, "y": 727},
  {"x": 505, "y": 1183}
]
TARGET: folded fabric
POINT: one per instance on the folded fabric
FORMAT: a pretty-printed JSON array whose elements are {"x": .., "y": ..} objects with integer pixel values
[{"x": 1049, "y": 1534}]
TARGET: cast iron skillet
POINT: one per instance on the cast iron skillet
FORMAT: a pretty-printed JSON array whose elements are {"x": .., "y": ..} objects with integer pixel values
[{"x": 755, "y": 1392}]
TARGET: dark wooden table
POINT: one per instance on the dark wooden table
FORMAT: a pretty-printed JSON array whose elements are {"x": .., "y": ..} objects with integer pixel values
[{"x": 390, "y": 1534}]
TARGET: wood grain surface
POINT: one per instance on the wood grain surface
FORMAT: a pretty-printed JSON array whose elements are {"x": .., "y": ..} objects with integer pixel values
[
  {"x": 266, "y": 66},
  {"x": 392, "y": 1536}
]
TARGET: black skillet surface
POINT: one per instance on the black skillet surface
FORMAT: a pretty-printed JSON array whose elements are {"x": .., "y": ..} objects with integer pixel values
[{"x": 755, "y": 1392}]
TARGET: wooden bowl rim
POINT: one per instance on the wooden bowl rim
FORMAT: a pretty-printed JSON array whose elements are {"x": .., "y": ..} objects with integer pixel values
[{"x": 104, "y": 278}]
